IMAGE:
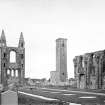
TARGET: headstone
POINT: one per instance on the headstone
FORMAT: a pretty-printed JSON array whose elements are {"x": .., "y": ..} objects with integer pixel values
[{"x": 9, "y": 98}]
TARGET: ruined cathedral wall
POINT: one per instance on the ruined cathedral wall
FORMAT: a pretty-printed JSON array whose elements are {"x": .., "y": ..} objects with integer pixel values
[
  {"x": 89, "y": 70},
  {"x": 78, "y": 69}
]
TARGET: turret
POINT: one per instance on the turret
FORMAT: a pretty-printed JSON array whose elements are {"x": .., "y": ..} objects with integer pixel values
[
  {"x": 21, "y": 59},
  {"x": 21, "y": 41},
  {"x": 3, "y": 39}
]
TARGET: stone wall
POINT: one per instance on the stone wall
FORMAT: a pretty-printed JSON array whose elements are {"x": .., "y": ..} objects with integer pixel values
[
  {"x": 89, "y": 70},
  {"x": 8, "y": 69}
]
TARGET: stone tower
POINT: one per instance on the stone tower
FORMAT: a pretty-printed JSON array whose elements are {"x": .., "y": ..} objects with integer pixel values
[
  {"x": 61, "y": 58},
  {"x": 7, "y": 68}
]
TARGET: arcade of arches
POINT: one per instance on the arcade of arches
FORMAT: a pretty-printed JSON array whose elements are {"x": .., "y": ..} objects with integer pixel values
[{"x": 12, "y": 73}]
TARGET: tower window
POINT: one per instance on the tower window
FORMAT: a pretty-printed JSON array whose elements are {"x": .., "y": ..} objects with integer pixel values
[
  {"x": 63, "y": 45},
  {"x": 4, "y": 64},
  {"x": 62, "y": 73},
  {"x": 4, "y": 55},
  {"x": 21, "y": 44}
]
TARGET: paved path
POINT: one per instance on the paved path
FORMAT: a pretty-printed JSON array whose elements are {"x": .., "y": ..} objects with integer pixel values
[
  {"x": 83, "y": 92},
  {"x": 66, "y": 95}
]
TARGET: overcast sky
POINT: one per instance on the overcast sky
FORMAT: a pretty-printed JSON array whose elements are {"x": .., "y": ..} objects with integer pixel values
[{"x": 82, "y": 22}]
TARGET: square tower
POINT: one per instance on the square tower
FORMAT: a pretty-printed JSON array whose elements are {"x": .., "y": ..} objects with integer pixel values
[{"x": 61, "y": 58}]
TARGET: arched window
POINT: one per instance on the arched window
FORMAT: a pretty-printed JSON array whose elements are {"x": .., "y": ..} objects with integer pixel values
[
  {"x": 8, "y": 72},
  {"x": 83, "y": 63},
  {"x": 12, "y": 56},
  {"x": 16, "y": 73}
]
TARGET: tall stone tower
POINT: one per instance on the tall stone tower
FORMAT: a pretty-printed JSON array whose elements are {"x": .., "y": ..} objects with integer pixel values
[
  {"x": 61, "y": 58},
  {"x": 9, "y": 69}
]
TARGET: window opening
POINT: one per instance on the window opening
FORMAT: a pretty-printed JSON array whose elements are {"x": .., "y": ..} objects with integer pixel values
[{"x": 12, "y": 56}]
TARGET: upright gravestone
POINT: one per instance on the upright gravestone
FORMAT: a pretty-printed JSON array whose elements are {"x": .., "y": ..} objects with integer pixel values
[{"x": 9, "y": 98}]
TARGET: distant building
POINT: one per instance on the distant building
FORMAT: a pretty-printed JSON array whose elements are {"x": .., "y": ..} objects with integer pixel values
[
  {"x": 54, "y": 77},
  {"x": 60, "y": 75},
  {"x": 72, "y": 82},
  {"x": 89, "y": 70},
  {"x": 36, "y": 82}
]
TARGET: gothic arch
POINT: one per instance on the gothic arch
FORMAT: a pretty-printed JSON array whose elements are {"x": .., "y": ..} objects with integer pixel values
[{"x": 12, "y": 56}]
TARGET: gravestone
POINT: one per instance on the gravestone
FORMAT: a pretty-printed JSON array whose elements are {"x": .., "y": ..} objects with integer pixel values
[{"x": 9, "y": 98}]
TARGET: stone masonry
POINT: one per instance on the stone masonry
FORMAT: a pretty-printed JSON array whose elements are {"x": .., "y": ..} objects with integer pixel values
[
  {"x": 59, "y": 77},
  {"x": 89, "y": 70},
  {"x": 6, "y": 66},
  {"x": 61, "y": 58}
]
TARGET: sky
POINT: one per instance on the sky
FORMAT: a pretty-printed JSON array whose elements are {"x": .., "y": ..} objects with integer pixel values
[{"x": 82, "y": 22}]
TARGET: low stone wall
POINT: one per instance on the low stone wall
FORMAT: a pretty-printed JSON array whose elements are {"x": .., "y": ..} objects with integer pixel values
[{"x": 25, "y": 100}]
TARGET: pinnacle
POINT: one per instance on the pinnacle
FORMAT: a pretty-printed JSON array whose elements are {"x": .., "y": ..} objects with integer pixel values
[
  {"x": 3, "y": 36},
  {"x": 21, "y": 40},
  {"x": 2, "y": 32},
  {"x": 21, "y": 36}
]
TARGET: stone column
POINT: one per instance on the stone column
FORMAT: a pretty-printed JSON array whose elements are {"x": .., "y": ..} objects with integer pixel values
[
  {"x": 10, "y": 73},
  {"x": 85, "y": 69},
  {"x": 103, "y": 72},
  {"x": 79, "y": 69},
  {"x": 14, "y": 73},
  {"x": 96, "y": 63},
  {"x": 88, "y": 70},
  {"x": 75, "y": 66},
  {"x": 22, "y": 76},
  {"x": 19, "y": 76},
  {"x": 100, "y": 70},
  {"x": 76, "y": 74}
]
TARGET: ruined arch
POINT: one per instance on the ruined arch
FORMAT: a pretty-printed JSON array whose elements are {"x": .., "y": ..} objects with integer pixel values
[{"x": 12, "y": 56}]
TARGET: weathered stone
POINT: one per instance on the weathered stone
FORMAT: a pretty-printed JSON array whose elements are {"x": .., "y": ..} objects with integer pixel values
[
  {"x": 60, "y": 76},
  {"x": 92, "y": 70},
  {"x": 5, "y": 63}
]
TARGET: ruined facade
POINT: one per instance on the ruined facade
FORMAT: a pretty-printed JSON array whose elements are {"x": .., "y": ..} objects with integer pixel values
[
  {"x": 89, "y": 70},
  {"x": 8, "y": 69}
]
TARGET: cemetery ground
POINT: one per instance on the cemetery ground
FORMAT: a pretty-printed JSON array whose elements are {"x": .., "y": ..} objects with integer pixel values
[{"x": 51, "y": 95}]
